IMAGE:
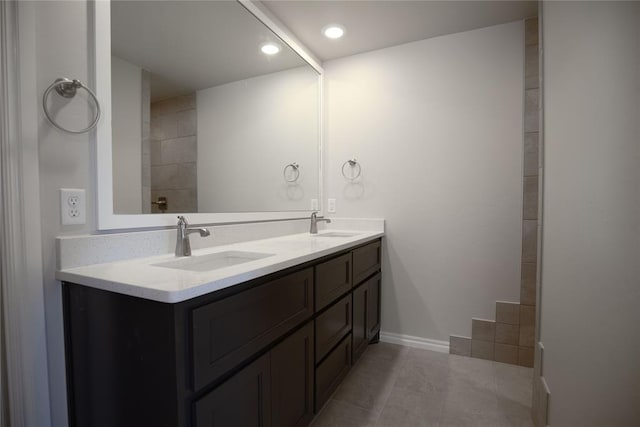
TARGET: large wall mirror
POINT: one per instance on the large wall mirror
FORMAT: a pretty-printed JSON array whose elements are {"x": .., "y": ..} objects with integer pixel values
[{"x": 213, "y": 110}]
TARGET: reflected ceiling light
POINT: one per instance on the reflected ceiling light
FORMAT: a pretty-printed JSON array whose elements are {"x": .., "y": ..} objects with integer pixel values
[
  {"x": 270, "y": 48},
  {"x": 333, "y": 31}
]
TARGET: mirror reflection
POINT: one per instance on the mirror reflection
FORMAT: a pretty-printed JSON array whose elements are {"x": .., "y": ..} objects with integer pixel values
[{"x": 211, "y": 112}]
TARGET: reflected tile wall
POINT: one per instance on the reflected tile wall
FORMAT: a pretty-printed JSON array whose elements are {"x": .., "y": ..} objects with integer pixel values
[
  {"x": 173, "y": 153},
  {"x": 146, "y": 142}
]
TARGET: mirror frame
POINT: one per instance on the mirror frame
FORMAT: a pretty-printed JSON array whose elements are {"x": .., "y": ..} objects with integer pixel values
[{"x": 106, "y": 218}]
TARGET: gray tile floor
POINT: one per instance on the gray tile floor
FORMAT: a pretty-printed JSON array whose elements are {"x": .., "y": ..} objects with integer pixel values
[{"x": 399, "y": 386}]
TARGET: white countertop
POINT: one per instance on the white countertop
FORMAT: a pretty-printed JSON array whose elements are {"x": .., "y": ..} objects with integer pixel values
[{"x": 141, "y": 278}]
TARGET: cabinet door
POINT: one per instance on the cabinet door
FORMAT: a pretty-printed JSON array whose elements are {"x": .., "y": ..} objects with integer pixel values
[
  {"x": 366, "y": 314},
  {"x": 373, "y": 306},
  {"x": 229, "y": 331},
  {"x": 331, "y": 371},
  {"x": 243, "y": 401},
  {"x": 360, "y": 329},
  {"x": 292, "y": 379}
]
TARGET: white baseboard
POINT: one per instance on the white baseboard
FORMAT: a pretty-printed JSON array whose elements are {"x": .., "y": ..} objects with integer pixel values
[{"x": 415, "y": 342}]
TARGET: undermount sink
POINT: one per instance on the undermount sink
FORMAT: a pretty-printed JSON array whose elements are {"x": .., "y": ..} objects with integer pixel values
[
  {"x": 212, "y": 261},
  {"x": 337, "y": 234}
]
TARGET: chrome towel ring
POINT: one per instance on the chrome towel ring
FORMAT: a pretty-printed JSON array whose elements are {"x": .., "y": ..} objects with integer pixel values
[
  {"x": 67, "y": 88},
  {"x": 354, "y": 164},
  {"x": 295, "y": 169}
]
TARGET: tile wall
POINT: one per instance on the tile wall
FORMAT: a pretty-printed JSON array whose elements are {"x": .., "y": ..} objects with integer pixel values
[
  {"x": 510, "y": 337},
  {"x": 173, "y": 153},
  {"x": 146, "y": 142}
]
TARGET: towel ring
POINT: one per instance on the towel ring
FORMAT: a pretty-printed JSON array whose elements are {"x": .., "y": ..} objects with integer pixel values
[
  {"x": 67, "y": 88},
  {"x": 295, "y": 168},
  {"x": 353, "y": 163}
]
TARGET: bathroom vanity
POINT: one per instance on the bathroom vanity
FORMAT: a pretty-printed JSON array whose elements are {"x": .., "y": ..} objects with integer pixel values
[
  {"x": 229, "y": 347},
  {"x": 253, "y": 333}
]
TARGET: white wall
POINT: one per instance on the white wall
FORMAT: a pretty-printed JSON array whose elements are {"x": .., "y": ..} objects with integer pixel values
[
  {"x": 126, "y": 116},
  {"x": 62, "y": 49},
  {"x": 591, "y": 245},
  {"x": 248, "y": 131},
  {"x": 437, "y": 127}
]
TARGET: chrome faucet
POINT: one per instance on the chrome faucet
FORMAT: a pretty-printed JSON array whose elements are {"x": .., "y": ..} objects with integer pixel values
[
  {"x": 314, "y": 222},
  {"x": 183, "y": 246}
]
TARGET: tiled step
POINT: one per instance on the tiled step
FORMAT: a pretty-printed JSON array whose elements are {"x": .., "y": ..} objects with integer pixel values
[{"x": 508, "y": 339}]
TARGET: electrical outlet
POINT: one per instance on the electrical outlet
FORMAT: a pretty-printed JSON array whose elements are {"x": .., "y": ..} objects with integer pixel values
[
  {"x": 314, "y": 204},
  {"x": 331, "y": 205},
  {"x": 73, "y": 208}
]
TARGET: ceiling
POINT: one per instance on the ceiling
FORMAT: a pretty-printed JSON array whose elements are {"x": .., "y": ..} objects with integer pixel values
[
  {"x": 378, "y": 24},
  {"x": 192, "y": 45}
]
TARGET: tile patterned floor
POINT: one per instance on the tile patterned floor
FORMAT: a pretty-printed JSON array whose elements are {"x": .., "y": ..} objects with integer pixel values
[{"x": 395, "y": 386}]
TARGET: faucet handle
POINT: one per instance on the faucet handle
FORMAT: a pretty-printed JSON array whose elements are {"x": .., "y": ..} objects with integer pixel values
[
  {"x": 314, "y": 214},
  {"x": 182, "y": 221}
]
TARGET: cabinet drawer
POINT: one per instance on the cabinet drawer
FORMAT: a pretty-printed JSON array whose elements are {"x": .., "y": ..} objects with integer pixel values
[
  {"x": 229, "y": 331},
  {"x": 366, "y": 261},
  {"x": 243, "y": 400},
  {"x": 333, "y": 279},
  {"x": 332, "y": 370},
  {"x": 332, "y": 326}
]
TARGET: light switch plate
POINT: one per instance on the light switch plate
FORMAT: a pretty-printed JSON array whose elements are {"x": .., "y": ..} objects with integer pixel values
[
  {"x": 73, "y": 206},
  {"x": 314, "y": 204}
]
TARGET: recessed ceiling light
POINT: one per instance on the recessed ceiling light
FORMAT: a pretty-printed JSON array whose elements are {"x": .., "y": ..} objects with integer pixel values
[
  {"x": 333, "y": 31},
  {"x": 270, "y": 48}
]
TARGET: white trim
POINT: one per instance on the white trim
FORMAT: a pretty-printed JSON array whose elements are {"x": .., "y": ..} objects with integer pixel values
[
  {"x": 102, "y": 81},
  {"x": 264, "y": 15},
  {"x": 106, "y": 219},
  {"x": 22, "y": 280},
  {"x": 321, "y": 144},
  {"x": 415, "y": 342},
  {"x": 12, "y": 265}
]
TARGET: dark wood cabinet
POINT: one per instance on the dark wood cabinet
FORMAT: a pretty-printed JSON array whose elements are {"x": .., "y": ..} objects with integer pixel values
[
  {"x": 102, "y": 360},
  {"x": 332, "y": 370},
  {"x": 367, "y": 260},
  {"x": 243, "y": 400},
  {"x": 229, "y": 331},
  {"x": 332, "y": 325},
  {"x": 333, "y": 279},
  {"x": 360, "y": 299},
  {"x": 344, "y": 330},
  {"x": 373, "y": 306},
  {"x": 366, "y": 314},
  {"x": 274, "y": 390},
  {"x": 265, "y": 352},
  {"x": 292, "y": 379}
]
